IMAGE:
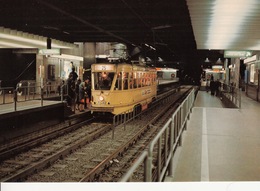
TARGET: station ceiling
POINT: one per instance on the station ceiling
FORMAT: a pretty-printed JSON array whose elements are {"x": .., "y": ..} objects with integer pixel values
[
  {"x": 170, "y": 26},
  {"x": 164, "y": 24}
]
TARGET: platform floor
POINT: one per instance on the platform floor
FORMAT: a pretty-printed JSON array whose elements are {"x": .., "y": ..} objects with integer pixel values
[
  {"x": 220, "y": 144},
  {"x": 25, "y": 105},
  {"x": 31, "y": 104}
]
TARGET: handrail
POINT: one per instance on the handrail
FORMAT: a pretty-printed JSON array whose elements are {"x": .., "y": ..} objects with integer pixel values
[
  {"x": 172, "y": 131},
  {"x": 138, "y": 162},
  {"x": 129, "y": 115},
  {"x": 4, "y": 93},
  {"x": 10, "y": 95},
  {"x": 232, "y": 93}
]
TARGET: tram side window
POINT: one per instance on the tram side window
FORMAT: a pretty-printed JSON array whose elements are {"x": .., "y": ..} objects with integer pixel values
[
  {"x": 118, "y": 85},
  {"x": 148, "y": 79},
  {"x": 131, "y": 81},
  {"x": 135, "y": 79},
  {"x": 143, "y": 79},
  {"x": 151, "y": 78},
  {"x": 139, "y": 79},
  {"x": 154, "y": 78},
  {"x": 125, "y": 81}
]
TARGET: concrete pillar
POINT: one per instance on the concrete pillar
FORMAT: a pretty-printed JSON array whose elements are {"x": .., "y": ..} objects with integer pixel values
[
  {"x": 40, "y": 73},
  {"x": 237, "y": 71},
  {"x": 89, "y": 55},
  {"x": 227, "y": 71}
]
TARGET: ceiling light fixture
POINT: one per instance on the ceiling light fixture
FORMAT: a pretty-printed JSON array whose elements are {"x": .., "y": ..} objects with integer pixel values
[
  {"x": 227, "y": 22},
  {"x": 161, "y": 27},
  {"x": 22, "y": 39}
]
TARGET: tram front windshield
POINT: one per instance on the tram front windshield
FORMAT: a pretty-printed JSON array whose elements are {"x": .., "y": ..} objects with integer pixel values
[{"x": 103, "y": 80}]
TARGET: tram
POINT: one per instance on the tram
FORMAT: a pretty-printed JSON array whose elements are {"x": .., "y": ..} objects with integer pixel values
[{"x": 118, "y": 88}]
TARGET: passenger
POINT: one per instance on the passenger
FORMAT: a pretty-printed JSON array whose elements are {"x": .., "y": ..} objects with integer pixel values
[
  {"x": 217, "y": 86},
  {"x": 73, "y": 73},
  {"x": 71, "y": 91},
  {"x": 48, "y": 86},
  {"x": 207, "y": 85},
  {"x": 212, "y": 87},
  {"x": 106, "y": 81},
  {"x": 87, "y": 91},
  {"x": 61, "y": 87},
  {"x": 81, "y": 96},
  {"x": 77, "y": 94}
]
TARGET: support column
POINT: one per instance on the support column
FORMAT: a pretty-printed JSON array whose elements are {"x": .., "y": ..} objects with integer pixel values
[
  {"x": 89, "y": 57},
  {"x": 237, "y": 72},
  {"x": 227, "y": 71}
]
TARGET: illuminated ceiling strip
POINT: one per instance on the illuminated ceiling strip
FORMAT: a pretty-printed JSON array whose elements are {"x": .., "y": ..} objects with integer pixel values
[
  {"x": 227, "y": 20},
  {"x": 36, "y": 41},
  {"x": 225, "y": 24},
  {"x": 10, "y": 43},
  {"x": 13, "y": 45}
]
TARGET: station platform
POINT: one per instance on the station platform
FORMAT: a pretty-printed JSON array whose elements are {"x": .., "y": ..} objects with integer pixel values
[
  {"x": 220, "y": 144},
  {"x": 32, "y": 115},
  {"x": 25, "y": 105}
]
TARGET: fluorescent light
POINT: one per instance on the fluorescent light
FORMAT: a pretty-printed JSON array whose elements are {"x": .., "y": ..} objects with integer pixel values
[
  {"x": 225, "y": 24},
  {"x": 10, "y": 44},
  {"x": 21, "y": 39},
  {"x": 161, "y": 27},
  {"x": 151, "y": 47},
  {"x": 226, "y": 21}
]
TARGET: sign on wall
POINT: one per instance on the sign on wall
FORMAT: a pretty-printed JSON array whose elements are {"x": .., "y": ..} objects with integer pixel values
[{"x": 237, "y": 53}]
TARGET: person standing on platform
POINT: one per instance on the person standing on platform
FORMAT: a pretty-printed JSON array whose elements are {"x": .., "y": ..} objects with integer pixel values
[
  {"x": 212, "y": 86},
  {"x": 74, "y": 74},
  {"x": 81, "y": 96},
  {"x": 88, "y": 91},
  {"x": 77, "y": 93},
  {"x": 217, "y": 85},
  {"x": 207, "y": 85},
  {"x": 71, "y": 91}
]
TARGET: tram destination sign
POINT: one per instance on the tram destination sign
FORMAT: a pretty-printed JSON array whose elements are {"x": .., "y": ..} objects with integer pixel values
[{"x": 237, "y": 53}]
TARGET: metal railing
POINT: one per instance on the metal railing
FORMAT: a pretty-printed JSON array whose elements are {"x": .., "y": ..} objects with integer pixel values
[
  {"x": 129, "y": 115},
  {"x": 166, "y": 142},
  {"x": 232, "y": 94},
  {"x": 6, "y": 95},
  {"x": 10, "y": 95}
]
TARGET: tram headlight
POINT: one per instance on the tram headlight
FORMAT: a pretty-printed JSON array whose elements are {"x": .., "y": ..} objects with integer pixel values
[{"x": 101, "y": 98}]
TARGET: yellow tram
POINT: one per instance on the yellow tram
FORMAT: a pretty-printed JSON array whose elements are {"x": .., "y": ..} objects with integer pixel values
[{"x": 118, "y": 88}]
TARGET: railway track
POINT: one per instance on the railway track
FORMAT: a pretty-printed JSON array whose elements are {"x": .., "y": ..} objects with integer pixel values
[
  {"x": 114, "y": 166},
  {"x": 25, "y": 142},
  {"x": 33, "y": 160},
  {"x": 84, "y": 155}
]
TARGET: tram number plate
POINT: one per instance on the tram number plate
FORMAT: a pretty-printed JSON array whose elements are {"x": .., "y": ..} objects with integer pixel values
[{"x": 104, "y": 67}]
